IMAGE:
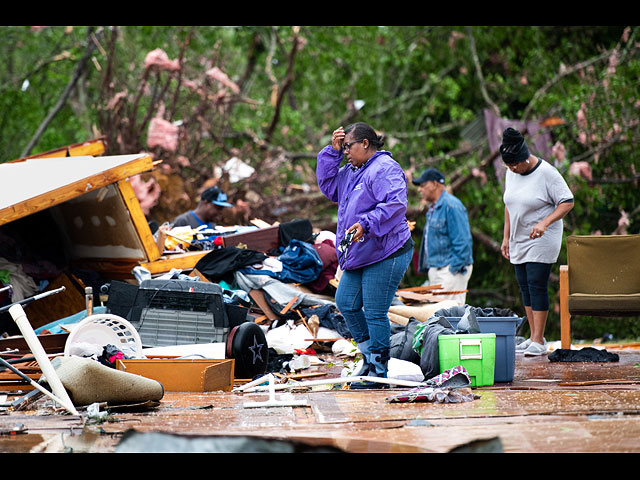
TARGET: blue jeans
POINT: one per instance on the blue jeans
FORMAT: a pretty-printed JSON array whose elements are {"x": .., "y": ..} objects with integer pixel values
[
  {"x": 533, "y": 279},
  {"x": 364, "y": 296}
]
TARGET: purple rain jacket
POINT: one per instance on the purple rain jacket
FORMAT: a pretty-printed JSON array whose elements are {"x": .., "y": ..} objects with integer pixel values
[{"x": 374, "y": 195}]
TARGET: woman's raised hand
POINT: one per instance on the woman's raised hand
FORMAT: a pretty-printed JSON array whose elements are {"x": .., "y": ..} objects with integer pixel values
[{"x": 337, "y": 138}]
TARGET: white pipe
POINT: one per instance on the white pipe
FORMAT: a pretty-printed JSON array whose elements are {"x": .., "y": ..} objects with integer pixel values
[
  {"x": 17, "y": 312},
  {"x": 273, "y": 402},
  {"x": 329, "y": 381}
]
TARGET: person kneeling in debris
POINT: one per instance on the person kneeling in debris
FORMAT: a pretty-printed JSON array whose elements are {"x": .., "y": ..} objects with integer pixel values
[
  {"x": 208, "y": 211},
  {"x": 373, "y": 240}
]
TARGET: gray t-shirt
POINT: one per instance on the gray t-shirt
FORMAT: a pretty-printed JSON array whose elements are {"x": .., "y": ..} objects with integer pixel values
[{"x": 529, "y": 199}]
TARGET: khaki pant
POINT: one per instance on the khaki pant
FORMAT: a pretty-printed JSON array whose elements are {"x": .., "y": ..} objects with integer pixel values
[{"x": 450, "y": 282}]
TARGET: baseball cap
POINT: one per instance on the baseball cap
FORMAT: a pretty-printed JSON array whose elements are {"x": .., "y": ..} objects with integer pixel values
[
  {"x": 429, "y": 174},
  {"x": 215, "y": 196}
]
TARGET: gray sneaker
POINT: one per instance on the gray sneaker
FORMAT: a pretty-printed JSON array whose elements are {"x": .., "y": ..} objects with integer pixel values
[
  {"x": 521, "y": 347},
  {"x": 535, "y": 349}
]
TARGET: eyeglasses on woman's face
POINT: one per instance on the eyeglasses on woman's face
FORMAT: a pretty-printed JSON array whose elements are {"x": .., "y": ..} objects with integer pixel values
[{"x": 347, "y": 146}]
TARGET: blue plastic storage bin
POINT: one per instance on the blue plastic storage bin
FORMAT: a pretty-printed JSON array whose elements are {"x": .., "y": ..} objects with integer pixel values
[{"x": 505, "y": 330}]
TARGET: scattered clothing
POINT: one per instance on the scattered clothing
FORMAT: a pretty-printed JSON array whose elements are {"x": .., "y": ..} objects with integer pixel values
[
  {"x": 327, "y": 252},
  {"x": 459, "y": 311},
  {"x": 434, "y": 395},
  {"x": 221, "y": 264},
  {"x": 300, "y": 264},
  {"x": 426, "y": 343},
  {"x": 273, "y": 289},
  {"x": 455, "y": 377},
  {"x": 296, "y": 229},
  {"x": 588, "y": 354},
  {"x": 22, "y": 285},
  {"x": 330, "y": 318},
  {"x": 401, "y": 343}
]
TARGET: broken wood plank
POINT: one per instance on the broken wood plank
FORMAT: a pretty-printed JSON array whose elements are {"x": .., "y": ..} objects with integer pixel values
[
  {"x": 259, "y": 223},
  {"x": 430, "y": 297},
  {"x": 597, "y": 382},
  {"x": 139, "y": 220},
  {"x": 289, "y": 305},
  {"x": 424, "y": 288},
  {"x": 399, "y": 319},
  {"x": 195, "y": 273},
  {"x": 93, "y": 147},
  {"x": 322, "y": 339},
  {"x": 258, "y": 297},
  {"x": 260, "y": 319},
  {"x": 298, "y": 376}
]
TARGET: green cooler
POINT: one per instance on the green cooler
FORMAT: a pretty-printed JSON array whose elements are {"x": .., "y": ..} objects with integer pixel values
[{"x": 475, "y": 352}]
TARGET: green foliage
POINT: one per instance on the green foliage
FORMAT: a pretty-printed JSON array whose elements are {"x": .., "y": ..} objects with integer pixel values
[{"x": 418, "y": 85}]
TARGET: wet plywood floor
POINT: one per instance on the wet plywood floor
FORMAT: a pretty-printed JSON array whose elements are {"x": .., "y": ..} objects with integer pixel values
[{"x": 557, "y": 407}]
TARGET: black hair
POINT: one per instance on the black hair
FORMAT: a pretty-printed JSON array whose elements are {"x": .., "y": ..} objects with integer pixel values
[{"x": 362, "y": 130}]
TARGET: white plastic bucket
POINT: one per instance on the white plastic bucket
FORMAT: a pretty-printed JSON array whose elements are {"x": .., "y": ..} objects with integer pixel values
[{"x": 105, "y": 329}]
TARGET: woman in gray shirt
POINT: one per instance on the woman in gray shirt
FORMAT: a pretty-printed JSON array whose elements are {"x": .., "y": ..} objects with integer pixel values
[{"x": 536, "y": 198}]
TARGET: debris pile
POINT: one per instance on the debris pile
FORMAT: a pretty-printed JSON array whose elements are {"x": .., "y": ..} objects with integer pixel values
[{"x": 239, "y": 319}]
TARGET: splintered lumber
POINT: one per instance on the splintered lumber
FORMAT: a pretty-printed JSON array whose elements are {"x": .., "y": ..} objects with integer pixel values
[
  {"x": 422, "y": 289},
  {"x": 260, "y": 223},
  {"x": 289, "y": 305},
  {"x": 399, "y": 319},
  {"x": 421, "y": 313},
  {"x": 258, "y": 297},
  {"x": 425, "y": 298}
]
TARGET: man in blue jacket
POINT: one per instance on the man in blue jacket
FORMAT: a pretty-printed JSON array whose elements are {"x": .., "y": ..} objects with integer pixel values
[{"x": 446, "y": 251}]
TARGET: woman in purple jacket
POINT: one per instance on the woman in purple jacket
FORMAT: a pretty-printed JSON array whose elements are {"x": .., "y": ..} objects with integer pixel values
[{"x": 373, "y": 240}]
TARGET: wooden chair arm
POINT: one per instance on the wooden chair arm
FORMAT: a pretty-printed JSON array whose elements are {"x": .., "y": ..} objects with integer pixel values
[{"x": 565, "y": 316}]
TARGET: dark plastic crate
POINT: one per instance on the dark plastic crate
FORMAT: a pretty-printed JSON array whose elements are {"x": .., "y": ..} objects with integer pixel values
[
  {"x": 174, "y": 312},
  {"x": 187, "y": 296}
]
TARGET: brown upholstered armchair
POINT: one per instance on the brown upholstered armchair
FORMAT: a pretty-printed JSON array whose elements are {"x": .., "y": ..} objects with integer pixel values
[{"x": 601, "y": 278}]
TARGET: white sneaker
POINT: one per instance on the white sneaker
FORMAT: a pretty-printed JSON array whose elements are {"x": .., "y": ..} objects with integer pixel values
[
  {"x": 535, "y": 349},
  {"x": 521, "y": 347}
]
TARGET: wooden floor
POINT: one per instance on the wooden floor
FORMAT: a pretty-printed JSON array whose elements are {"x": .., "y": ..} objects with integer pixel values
[{"x": 555, "y": 407}]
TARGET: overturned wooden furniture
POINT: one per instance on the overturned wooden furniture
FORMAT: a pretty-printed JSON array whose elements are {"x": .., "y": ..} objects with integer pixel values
[
  {"x": 85, "y": 203},
  {"x": 601, "y": 278}
]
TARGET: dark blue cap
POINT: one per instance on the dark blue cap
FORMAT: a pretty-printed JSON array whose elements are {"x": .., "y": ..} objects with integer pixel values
[
  {"x": 429, "y": 174},
  {"x": 215, "y": 196}
]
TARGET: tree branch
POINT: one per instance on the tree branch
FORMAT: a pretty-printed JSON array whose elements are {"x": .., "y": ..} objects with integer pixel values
[
  {"x": 476, "y": 61},
  {"x": 286, "y": 84},
  {"x": 65, "y": 94},
  {"x": 563, "y": 73}
]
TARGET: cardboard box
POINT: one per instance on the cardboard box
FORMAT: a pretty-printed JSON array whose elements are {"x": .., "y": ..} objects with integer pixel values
[
  {"x": 475, "y": 352},
  {"x": 183, "y": 375}
]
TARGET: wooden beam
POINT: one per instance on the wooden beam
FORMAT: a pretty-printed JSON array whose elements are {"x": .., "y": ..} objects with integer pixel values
[
  {"x": 93, "y": 147},
  {"x": 182, "y": 261},
  {"x": 74, "y": 189},
  {"x": 565, "y": 316},
  {"x": 139, "y": 220}
]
